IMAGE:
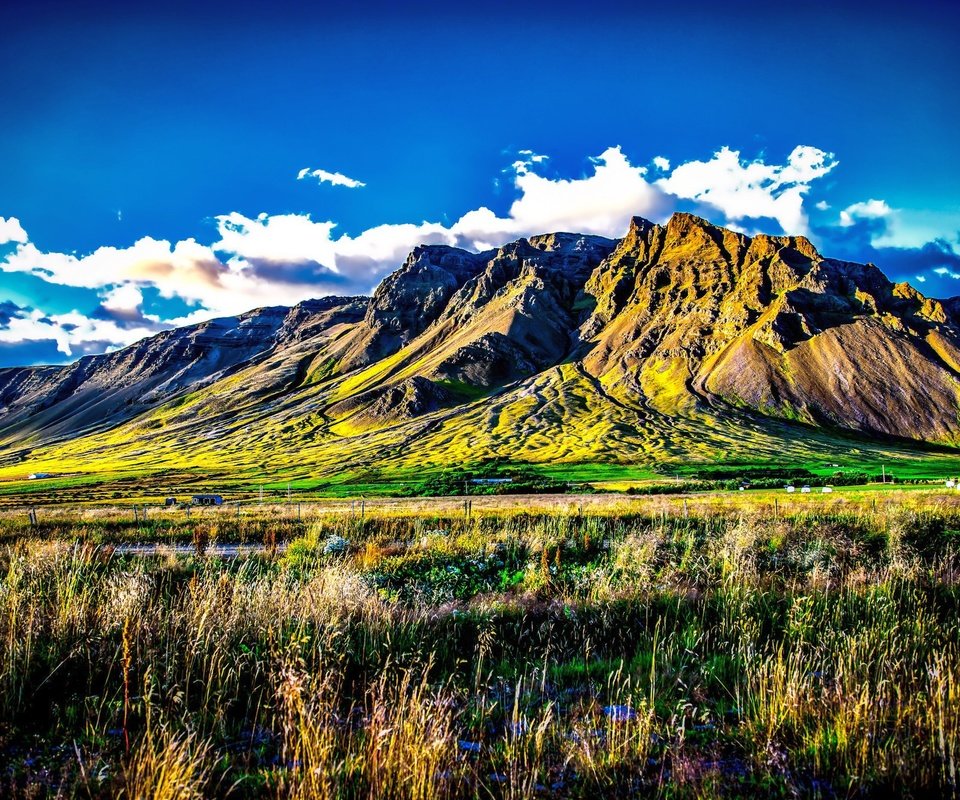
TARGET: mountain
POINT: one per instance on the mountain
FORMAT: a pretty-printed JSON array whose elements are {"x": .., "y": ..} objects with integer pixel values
[
  {"x": 98, "y": 392},
  {"x": 678, "y": 342}
]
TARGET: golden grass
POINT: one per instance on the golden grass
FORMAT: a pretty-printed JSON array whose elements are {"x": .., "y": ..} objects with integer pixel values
[{"x": 716, "y": 655}]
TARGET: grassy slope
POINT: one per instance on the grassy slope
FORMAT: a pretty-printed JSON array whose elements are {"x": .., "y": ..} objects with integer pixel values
[{"x": 557, "y": 423}]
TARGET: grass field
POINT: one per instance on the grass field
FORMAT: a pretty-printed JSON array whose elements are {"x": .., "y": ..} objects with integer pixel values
[
  {"x": 710, "y": 645},
  {"x": 89, "y": 486}
]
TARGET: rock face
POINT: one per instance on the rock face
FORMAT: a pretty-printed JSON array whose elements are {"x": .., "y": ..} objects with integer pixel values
[
  {"x": 407, "y": 301},
  {"x": 673, "y": 324},
  {"x": 694, "y": 316}
]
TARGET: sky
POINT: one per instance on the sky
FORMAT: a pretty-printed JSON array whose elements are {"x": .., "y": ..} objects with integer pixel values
[{"x": 164, "y": 166}]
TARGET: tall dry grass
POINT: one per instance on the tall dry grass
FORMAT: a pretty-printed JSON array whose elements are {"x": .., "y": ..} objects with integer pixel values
[{"x": 561, "y": 656}]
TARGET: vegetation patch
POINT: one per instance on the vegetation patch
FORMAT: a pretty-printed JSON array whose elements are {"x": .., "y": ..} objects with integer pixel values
[{"x": 552, "y": 655}]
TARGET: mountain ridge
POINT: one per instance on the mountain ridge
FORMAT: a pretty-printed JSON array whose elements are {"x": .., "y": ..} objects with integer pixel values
[{"x": 666, "y": 344}]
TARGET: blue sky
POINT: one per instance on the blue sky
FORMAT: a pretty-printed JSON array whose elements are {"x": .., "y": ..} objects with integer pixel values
[{"x": 151, "y": 158}]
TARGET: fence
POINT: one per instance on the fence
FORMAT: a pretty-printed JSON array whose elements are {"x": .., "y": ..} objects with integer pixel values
[{"x": 694, "y": 504}]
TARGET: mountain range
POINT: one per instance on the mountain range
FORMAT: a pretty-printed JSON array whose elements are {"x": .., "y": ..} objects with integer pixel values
[{"x": 679, "y": 343}]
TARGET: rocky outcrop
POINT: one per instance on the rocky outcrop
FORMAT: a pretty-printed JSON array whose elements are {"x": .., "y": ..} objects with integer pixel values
[
  {"x": 692, "y": 318},
  {"x": 408, "y": 301}
]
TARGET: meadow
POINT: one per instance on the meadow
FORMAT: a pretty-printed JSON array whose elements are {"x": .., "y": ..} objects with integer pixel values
[{"x": 714, "y": 645}]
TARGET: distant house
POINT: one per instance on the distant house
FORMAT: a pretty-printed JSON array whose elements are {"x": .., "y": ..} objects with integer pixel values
[
  {"x": 951, "y": 483},
  {"x": 805, "y": 490},
  {"x": 827, "y": 489},
  {"x": 170, "y": 502},
  {"x": 207, "y": 500},
  {"x": 37, "y": 475},
  {"x": 791, "y": 489},
  {"x": 491, "y": 480}
]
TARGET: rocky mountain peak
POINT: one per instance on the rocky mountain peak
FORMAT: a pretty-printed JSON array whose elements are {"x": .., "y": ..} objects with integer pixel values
[{"x": 677, "y": 326}]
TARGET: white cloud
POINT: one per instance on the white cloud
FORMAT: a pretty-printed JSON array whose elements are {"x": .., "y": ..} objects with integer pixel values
[
  {"x": 528, "y": 159},
  {"x": 535, "y": 158},
  {"x": 286, "y": 258},
  {"x": 124, "y": 298},
  {"x": 744, "y": 190},
  {"x": 601, "y": 203},
  {"x": 11, "y": 231},
  {"x": 72, "y": 331},
  {"x": 661, "y": 163},
  {"x": 822, "y": 205},
  {"x": 333, "y": 178},
  {"x": 185, "y": 269},
  {"x": 291, "y": 238},
  {"x": 946, "y": 272},
  {"x": 871, "y": 209}
]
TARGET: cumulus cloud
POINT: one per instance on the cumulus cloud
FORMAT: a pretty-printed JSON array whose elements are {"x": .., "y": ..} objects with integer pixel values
[
  {"x": 871, "y": 209},
  {"x": 74, "y": 333},
  {"x": 661, "y": 163},
  {"x": 752, "y": 190},
  {"x": 600, "y": 203},
  {"x": 11, "y": 231},
  {"x": 126, "y": 299},
  {"x": 333, "y": 178}
]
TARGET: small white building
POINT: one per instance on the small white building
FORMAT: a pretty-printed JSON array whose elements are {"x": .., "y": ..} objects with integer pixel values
[
  {"x": 791, "y": 489},
  {"x": 827, "y": 490},
  {"x": 805, "y": 490},
  {"x": 951, "y": 483}
]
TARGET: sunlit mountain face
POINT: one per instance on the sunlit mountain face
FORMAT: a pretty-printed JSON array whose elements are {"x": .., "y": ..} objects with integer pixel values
[{"x": 164, "y": 167}]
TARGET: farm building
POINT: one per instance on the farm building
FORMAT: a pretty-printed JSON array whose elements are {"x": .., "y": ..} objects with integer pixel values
[
  {"x": 207, "y": 500},
  {"x": 170, "y": 501}
]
